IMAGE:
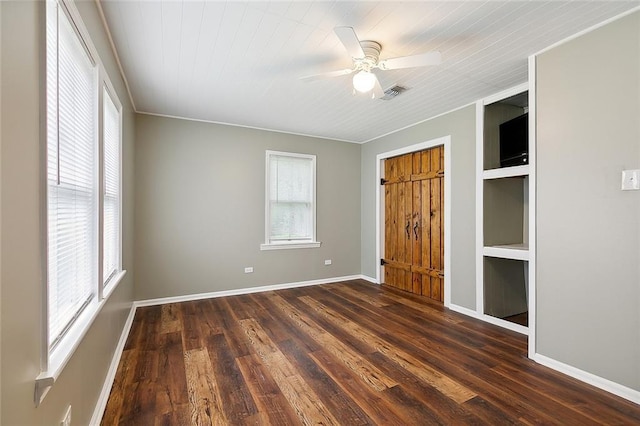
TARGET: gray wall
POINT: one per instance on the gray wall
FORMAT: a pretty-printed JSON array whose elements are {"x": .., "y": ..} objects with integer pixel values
[
  {"x": 200, "y": 208},
  {"x": 588, "y": 233},
  {"x": 21, "y": 258},
  {"x": 460, "y": 125},
  {"x": 200, "y": 212}
]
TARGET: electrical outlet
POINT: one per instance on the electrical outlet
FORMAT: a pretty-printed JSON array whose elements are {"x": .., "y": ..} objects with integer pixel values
[
  {"x": 248, "y": 270},
  {"x": 630, "y": 180},
  {"x": 327, "y": 262},
  {"x": 66, "y": 420}
]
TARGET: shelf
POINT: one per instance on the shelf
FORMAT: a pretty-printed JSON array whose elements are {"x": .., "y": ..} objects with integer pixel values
[
  {"x": 508, "y": 251},
  {"x": 505, "y": 211},
  {"x": 506, "y": 172},
  {"x": 506, "y": 287},
  {"x": 503, "y": 205}
]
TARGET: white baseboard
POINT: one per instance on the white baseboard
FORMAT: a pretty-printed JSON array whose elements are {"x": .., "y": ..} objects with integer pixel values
[
  {"x": 589, "y": 378},
  {"x": 249, "y": 290},
  {"x": 505, "y": 324},
  {"x": 491, "y": 320},
  {"x": 464, "y": 311},
  {"x": 367, "y": 278},
  {"x": 98, "y": 412}
]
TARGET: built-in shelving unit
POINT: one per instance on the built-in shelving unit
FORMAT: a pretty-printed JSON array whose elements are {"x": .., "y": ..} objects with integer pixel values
[{"x": 503, "y": 212}]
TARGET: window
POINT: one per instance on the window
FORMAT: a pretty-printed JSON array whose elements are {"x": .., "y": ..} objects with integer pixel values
[
  {"x": 83, "y": 129},
  {"x": 111, "y": 199},
  {"x": 290, "y": 201},
  {"x": 72, "y": 182}
]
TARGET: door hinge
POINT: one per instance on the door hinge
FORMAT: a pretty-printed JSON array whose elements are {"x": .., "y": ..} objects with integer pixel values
[
  {"x": 382, "y": 262},
  {"x": 440, "y": 173},
  {"x": 383, "y": 181}
]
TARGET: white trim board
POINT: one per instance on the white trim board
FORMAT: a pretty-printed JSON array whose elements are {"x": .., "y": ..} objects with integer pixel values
[
  {"x": 98, "y": 412},
  {"x": 586, "y": 377},
  {"x": 464, "y": 311},
  {"x": 115, "y": 53},
  {"x": 446, "y": 142},
  {"x": 589, "y": 378},
  {"x": 507, "y": 93},
  {"x": 587, "y": 30},
  {"x": 245, "y": 126},
  {"x": 489, "y": 319},
  {"x": 247, "y": 290},
  {"x": 370, "y": 279},
  {"x": 479, "y": 210},
  {"x": 533, "y": 144},
  {"x": 418, "y": 122}
]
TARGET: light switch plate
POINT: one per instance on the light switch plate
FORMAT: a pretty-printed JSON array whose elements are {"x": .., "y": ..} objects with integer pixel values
[{"x": 630, "y": 180}]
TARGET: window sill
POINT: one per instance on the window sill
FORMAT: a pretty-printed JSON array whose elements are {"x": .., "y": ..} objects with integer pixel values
[
  {"x": 61, "y": 355},
  {"x": 290, "y": 245}
]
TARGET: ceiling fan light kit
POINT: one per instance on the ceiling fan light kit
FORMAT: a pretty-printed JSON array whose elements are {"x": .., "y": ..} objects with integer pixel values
[
  {"x": 365, "y": 55},
  {"x": 364, "y": 81}
]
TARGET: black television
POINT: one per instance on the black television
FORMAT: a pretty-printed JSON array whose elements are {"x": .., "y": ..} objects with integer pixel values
[{"x": 514, "y": 141}]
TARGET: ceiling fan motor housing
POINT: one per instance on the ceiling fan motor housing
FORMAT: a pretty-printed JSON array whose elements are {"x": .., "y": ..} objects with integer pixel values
[{"x": 371, "y": 51}]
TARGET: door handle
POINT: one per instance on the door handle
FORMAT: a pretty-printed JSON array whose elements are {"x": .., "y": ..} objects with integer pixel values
[
  {"x": 415, "y": 230},
  {"x": 406, "y": 228}
]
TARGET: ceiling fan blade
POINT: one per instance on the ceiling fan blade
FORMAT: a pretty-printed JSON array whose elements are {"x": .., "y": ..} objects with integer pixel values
[
  {"x": 350, "y": 41},
  {"x": 421, "y": 60},
  {"x": 329, "y": 74},
  {"x": 378, "y": 92}
]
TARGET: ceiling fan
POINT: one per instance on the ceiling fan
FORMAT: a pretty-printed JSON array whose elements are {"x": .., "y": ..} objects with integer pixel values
[{"x": 366, "y": 57}]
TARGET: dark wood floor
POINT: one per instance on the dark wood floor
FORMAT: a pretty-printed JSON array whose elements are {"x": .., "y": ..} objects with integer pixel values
[
  {"x": 522, "y": 319},
  {"x": 348, "y": 353}
]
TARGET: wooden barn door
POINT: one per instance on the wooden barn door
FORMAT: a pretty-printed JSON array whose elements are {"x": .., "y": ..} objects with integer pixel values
[{"x": 414, "y": 241}]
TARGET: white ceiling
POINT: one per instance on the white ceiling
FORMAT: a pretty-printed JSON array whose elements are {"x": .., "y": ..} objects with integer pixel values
[{"x": 239, "y": 62}]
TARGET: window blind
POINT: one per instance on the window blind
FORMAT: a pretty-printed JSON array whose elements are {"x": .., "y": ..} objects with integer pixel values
[
  {"x": 71, "y": 179},
  {"x": 111, "y": 199},
  {"x": 291, "y": 198}
]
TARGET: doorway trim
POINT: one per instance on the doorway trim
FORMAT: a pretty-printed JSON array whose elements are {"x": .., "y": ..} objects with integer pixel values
[{"x": 446, "y": 142}]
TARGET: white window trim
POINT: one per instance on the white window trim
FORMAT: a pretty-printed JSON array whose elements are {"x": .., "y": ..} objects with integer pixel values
[
  {"x": 105, "y": 288},
  {"x": 293, "y": 244},
  {"x": 54, "y": 361},
  {"x": 284, "y": 245}
]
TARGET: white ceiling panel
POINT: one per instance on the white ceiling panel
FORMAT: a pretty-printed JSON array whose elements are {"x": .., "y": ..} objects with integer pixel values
[{"x": 240, "y": 62}]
